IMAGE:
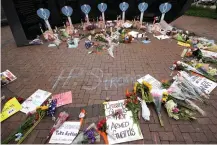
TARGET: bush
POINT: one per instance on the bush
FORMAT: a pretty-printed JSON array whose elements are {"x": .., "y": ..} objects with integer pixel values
[{"x": 200, "y": 11}]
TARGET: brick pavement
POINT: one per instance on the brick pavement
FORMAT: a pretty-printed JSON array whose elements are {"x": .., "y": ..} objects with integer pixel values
[{"x": 92, "y": 78}]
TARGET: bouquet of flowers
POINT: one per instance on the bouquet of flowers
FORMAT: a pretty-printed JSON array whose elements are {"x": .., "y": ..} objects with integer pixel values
[
  {"x": 133, "y": 105},
  {"x": 63, "y": 116},
  {"x": 26, "y": 127},
  {"x": 166, "y": 83},
  {"x": 144, "y": 89},
  {"x": 183, "y": 89},
  {"x": 179, "y": 65},
  {"x": 157, "y": 97},
  {"x": 177, "y": 111}
]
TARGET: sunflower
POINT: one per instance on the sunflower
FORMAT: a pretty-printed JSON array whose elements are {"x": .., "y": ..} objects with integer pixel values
[{"x": 149, "y": 86}]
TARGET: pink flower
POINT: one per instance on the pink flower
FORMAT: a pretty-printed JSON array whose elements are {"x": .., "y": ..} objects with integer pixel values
[{"x": 175, "y": 110}]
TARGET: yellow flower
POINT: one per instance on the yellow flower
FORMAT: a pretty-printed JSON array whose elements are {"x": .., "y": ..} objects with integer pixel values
[
  {"x": 164, "y": 99},
  {"x": 147, "y": 85},
  {"x": 165, "y": 94},
  {"x": 135, "y": 86},
  {"x": 198, "y": 65},
  {"x": 44, "y": 107}
]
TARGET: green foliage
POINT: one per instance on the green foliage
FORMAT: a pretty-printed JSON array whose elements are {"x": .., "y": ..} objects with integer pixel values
[{"x": 199, "y": 11}]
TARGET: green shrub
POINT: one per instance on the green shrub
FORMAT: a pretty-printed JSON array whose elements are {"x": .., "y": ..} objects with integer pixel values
[{"x": 200, "y": 11}]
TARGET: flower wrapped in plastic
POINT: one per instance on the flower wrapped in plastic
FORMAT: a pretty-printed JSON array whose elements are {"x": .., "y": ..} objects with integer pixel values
[{"x": 144, "y": 89}]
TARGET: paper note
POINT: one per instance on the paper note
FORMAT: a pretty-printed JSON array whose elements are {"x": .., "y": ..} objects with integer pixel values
[
  {"x": 34, "y": 101},
  {"x": 121, "y": 129},
  {"x": 63, "y": 98},
  {"x": 7, "y": 77},
  {"x": 151, "y": 80},
  {"x": 11, "y": 107},
  {"x": 66, "y": 133}
]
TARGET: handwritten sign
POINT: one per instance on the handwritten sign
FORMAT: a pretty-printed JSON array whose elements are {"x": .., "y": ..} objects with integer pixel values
[
  {"x": 10, "y": 108},
  {"x": 203, "y": 83},
  {"x": 63, "y": 98},
  {"x": 66, "y": 133},
  {"x": 122, "y": 129},
  {"x": 34, "y": 101},
  {"x": 151, "y": 80}
]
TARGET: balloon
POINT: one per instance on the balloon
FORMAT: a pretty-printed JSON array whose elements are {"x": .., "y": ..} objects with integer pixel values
[
  {"x": 143, "y": 6},
  {"x": 102, "y": 7},
  {"x": 67, "y": 11},
  {"x": 123, "y": 6},
  {"x": 85, "y": 8},
  {"x": 165, "y": 7},
  {"x": 43, "y": 13}
]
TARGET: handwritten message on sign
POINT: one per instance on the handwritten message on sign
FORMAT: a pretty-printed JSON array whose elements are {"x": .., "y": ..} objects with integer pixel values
[
  {"x": 66, "y": 133},
  {"x": 34, "y": 101},
  {"x": 151, "y": 80},
  {"x": 122, "y": 129},
  {"x": 63, "y": 98},
  {"x": 11, "y": 107},
  {"x": 203, "y": 83}
]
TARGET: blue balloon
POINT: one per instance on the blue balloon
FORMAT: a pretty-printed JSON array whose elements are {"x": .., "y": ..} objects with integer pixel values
[
  {"x": 143, "y": 6},
  {"x": 165, "y": 7},
  {"x": 123, "y": 6},
  {"x": 85, "y": 8},
  {"x": 43, "y": 13},
  {"x": 102, "y": 7},
  {"x": 67, "y": 11}
]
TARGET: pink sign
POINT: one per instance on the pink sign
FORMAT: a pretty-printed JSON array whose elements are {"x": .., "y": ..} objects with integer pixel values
[{"x": 63, "y": 98}]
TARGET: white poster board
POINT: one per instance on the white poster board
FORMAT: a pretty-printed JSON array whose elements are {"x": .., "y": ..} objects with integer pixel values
[
  {"x": 34, "y": 101},
  {"x": 121, "y": 129},
  {"x": 209, "y": 54},
  {"x": 203, "y": 83},
  {"x": 151, "y": 80},
  {"x": 66, "y": 133}
]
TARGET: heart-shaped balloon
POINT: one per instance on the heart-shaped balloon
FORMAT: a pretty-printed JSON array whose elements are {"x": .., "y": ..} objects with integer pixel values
[
  {"x": 102, "y": 7},
  {"x": 165, "y": 7},
  {"x": 67, "y": 11},
  {"x": 123, "y": 6},
  {"x": 143, "y": 6},
  {"x": 85, "y": 8},
  {"x": 43, "y": 13}
]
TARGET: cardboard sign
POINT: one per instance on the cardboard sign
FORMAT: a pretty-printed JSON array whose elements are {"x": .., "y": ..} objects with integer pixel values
[
  {"x": 121, "y": 129},
  {"x": 203, "y": 83},
  {"x": 7, "y": 77},
  {"x": 34, "y": 101},
  {"x": 66, "y": 133},
  {"x": 151, "y": 80},
  {"x": 63, "y": 98},
  {"x": 11, "y": 107}
]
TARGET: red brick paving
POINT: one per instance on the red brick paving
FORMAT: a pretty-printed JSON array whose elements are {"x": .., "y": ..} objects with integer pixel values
[{"x": 95, "y": 77}]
